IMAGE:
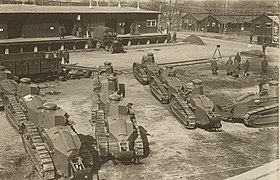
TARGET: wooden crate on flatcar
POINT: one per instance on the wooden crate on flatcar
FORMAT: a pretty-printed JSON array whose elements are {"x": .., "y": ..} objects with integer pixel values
[{"x": 36, "y": 65}]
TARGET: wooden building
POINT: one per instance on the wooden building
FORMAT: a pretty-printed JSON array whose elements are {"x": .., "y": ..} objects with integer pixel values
[
  {"x": 216, "y": 23},
  {"x": 192, "y": 22},
  {"x": 28, "y": 21},
  {"x": 267, "y": 25}
]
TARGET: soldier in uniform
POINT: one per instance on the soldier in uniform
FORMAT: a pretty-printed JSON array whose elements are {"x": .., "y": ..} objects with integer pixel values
[
  {"x": 236, "y": 69},
  {"x": 214, "y": 67},
  {"x": 168, "y": 37},
  {"x": 174, "y": 37},
  {"x": 264, "y": 47},
  {"x": 246, "y": 68},
  {"x": 264, "y": 65},
  {"x": 237, "y": 58},
  {"x": 66, "y": 57},
  {"x": 251, "y": 38},
  {"x": 229, "y": 66}
]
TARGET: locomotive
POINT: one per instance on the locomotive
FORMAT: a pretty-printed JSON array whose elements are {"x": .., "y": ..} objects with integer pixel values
[
  {"x": 48, "y": 136},
  {"x": 117, "y": 133}
]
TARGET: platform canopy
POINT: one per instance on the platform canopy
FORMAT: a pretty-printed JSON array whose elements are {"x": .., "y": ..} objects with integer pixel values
[{"x": 33, "y": 9}]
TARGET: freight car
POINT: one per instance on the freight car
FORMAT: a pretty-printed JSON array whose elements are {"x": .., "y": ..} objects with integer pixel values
[
  {"x": 106, "y": 37},
  {"x": 34, "y": 65}
]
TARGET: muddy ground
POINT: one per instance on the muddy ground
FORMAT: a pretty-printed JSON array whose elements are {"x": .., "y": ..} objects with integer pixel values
[{"x": 176, "y": 153}]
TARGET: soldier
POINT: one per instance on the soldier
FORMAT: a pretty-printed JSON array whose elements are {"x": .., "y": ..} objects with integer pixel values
[
  {"x": 66, "y": 56},
  {"x": 264, "y": 65},
  {"x": 214, "y": 67},
  {"x": 236, "y": 69},
  {"x": 246, "y": 68},
  {"x": 174, "y": 37},
  {"x": 168, "y": 37},
  {"x": 60, "y": 31},
  {"x": 229, "y": 66},
  {"x": 251, "y": 38},
  {"x": 263, "y": 47},
  {"x": 237, "y": 58}
]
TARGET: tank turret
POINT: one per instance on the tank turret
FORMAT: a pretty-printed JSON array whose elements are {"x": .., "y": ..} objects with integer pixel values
[
  {"x": 254, "y": 109},
  {"x": 49, "y": 138},
  {"x": 122, "y": 139}
]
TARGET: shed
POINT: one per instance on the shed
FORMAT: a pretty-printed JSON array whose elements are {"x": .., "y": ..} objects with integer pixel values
[{"x": 267, "y": 25}]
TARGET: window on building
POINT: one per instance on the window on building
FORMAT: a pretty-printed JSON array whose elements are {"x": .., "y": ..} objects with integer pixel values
[
  {"x": 213, "y": 24},
  {"x": 258, "y": 25},
  {"x": 151, "y": 23},
  {"x": 186, "y": 20},
  {"x": 208, "y": 24},
  {"x": 268, "y": 25}
]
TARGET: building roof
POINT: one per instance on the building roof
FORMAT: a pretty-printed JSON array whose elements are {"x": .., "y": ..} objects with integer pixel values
[
  {"x": 33, "y": 9},
  {"x": 233, "y": 19},
  {"x": 274, "y": 18},
  {"x": 198, "y": 17}
]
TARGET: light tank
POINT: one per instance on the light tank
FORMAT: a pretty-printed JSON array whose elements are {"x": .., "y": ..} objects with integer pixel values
[
  {"x": 49, "y": 138},
  {"x": 255, "y": 109},
  {"x": 145, "y": 70},
  {"x": 187, "y": 100},
  {"x": 117, "y": 133}
]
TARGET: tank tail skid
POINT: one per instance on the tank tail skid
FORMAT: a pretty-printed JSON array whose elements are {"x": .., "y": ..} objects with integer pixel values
[
  {"x": 181, "y": 109},
  {"x": 264, "y": 116},
  {"x": 101, "y": 137},
  {"x": 140, "y": 74},
  {"x": 159, "y": 91}
]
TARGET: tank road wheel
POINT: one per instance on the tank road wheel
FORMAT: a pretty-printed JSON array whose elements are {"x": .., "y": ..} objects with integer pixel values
[
  {"x": 98, "y": 45},
  {"x": 111, "y": 49},
  {"x": 144, "y": 138}
]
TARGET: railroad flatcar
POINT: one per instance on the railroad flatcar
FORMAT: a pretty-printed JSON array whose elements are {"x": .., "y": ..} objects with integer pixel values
[{"x": 34, "y": 65}]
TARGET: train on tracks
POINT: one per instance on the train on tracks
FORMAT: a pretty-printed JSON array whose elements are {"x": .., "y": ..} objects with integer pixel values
[
  {"x": 34, "y": 65},
  {"x": 48, "y": 136}
]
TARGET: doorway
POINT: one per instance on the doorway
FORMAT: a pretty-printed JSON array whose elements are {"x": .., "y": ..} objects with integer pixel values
[
  {"x": 68, "y": 24},
  {"x": 128, "y": 22},
  {"x": 112, "y": 23},
  {"x": 14, "y": 29}
]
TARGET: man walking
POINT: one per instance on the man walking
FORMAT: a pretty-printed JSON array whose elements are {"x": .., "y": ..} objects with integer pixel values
[
  {"x": 237, "y": 58},
  {"x": 264, "y": 65}
]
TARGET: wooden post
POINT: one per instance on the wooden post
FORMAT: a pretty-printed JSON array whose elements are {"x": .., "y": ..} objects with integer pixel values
[
  {"x": 129, "y": 43},
  {"x": 21, "y": 49}
]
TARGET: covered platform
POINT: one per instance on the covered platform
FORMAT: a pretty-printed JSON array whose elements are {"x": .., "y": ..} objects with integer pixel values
[{"x": 19, "y": 45}]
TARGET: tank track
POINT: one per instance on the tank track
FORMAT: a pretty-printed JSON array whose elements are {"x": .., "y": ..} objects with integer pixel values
[
  {"x": 138, "y": 143},
  {"x": 100, "y": 135},
  {"x": 252, "y": 117},
  {"x": 33, "y": 142},
  {"x": 182, "y": 111},
  {"x": 159, "y": 91},
  {"x": 138, "y": 73}
]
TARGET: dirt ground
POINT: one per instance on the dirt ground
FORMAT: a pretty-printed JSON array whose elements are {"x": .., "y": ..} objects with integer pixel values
[{"x": 176, "y": 153}]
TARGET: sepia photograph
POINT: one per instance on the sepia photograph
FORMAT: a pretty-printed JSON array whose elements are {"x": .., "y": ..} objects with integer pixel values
[{"x": 139, "y": 89}]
